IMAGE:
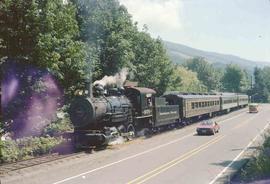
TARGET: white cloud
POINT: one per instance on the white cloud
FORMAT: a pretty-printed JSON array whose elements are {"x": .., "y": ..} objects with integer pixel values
[
  {"x": 161, "y": 16},
  {"x": 207, "y": 24}
]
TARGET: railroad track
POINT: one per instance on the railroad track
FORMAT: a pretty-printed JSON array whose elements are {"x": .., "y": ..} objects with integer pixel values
[{"x": 6, "y": 168}]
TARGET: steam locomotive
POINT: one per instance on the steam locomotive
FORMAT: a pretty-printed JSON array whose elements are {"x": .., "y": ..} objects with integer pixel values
[{"x": 102, "y": 115}]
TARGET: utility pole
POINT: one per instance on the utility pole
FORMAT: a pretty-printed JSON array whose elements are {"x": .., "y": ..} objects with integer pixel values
[
  {"x": 251, "y": 89},
  {"x": 251, "y": 82}
]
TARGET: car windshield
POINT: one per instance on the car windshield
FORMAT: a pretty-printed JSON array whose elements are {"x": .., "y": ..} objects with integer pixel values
[{"x": 207, "y": 123}]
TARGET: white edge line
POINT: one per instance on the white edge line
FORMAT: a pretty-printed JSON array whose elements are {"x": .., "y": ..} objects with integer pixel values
[
  {"x": 239, "y": 155},
  {"x": 122, "y": 160},
  {"x": 134, "y": 156}
]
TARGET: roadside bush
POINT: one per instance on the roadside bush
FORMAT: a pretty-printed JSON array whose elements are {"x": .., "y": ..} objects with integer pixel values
[
  {"x": 45, "y": 145},
  {"x": 259, "y": 166},
  {"x": 1, "y": 127},
  {"x": 60, "y": 125},
  {"x": 10, "y": 151},
  {"x": 29, "y": 147}
]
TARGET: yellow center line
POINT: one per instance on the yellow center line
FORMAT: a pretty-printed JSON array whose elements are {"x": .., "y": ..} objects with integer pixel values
[
  {"x": 182, "y": 158},
  {"x": 178, "y": 160},
  {"x": 174, "y": 162}
]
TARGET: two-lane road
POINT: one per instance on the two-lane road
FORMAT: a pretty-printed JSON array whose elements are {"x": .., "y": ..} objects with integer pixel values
[{"x": 178, "y": 156}]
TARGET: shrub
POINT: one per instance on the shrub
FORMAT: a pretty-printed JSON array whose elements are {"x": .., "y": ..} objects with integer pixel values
[
  {"x": 258, "y": 166},
  {"x": 10, "y": 151},
  {"x": 29, "y": 147},
  {"x": 60, "y": 125}
]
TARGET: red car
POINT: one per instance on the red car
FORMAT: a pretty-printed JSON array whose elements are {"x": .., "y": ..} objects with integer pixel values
[{"x": 208, "y": 127}]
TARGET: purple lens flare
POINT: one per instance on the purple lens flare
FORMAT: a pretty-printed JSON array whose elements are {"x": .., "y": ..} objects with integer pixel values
[{"x": 30, "y": 99}]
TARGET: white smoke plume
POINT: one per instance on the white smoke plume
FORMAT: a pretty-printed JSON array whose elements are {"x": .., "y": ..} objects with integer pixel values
[{"x": 118, "y": 79}]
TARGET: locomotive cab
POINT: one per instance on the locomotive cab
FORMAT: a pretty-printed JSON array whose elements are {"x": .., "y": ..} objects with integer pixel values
[
  {"x": 142, "y": 100},
  {"x": 142, "y": 105}
]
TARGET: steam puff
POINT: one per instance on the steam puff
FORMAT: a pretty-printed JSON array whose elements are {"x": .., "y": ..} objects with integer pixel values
[{"x": 118, "y": 79}]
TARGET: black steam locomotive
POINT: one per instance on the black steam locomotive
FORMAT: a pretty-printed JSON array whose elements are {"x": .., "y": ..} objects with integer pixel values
[{"x": 104, "y": 114}]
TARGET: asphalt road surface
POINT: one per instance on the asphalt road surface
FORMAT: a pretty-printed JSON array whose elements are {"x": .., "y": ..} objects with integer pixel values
[{"x": 177, "y": 156}]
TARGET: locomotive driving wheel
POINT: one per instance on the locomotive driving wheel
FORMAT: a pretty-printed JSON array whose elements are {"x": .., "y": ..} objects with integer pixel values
[
  {"x": 131, "y": 131},
  {"x": 122, "y": 129}
]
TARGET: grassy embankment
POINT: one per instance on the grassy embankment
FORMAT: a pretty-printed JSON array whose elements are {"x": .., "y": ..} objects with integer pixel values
[{"x": 258, "y": 167}]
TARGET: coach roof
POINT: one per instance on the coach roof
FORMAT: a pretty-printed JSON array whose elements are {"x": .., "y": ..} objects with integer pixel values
[
  {"x": 191, "y": 95},
  {"x": 142, "y": 90}
]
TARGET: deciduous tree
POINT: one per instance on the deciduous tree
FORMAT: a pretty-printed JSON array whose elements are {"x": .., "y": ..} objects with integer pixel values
[
  {"x": 43, "y": 34},
  {"x": 232, "y": 79},
  {"x": 207, "y": 74},
  {"x": 185, "y": 80}
]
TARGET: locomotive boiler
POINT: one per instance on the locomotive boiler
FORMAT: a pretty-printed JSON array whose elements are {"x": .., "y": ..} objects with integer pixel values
[{"x": 98, "y": 118}]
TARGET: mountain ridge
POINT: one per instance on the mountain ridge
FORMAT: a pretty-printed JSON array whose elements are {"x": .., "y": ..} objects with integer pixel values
[{"x": 179, "y": 53}]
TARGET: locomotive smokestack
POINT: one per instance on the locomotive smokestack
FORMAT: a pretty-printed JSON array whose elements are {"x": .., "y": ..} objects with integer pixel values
[{"x": 88, "y": 87}]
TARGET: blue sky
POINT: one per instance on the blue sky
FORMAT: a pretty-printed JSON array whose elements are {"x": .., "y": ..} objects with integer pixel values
[{"x": 237, "y": 27}]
